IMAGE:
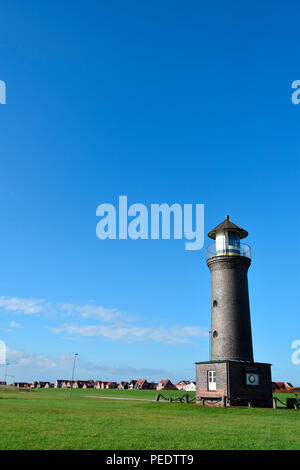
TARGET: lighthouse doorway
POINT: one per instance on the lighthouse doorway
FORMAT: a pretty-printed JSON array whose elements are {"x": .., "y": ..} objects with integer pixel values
[{"x": 212, "y": 382}]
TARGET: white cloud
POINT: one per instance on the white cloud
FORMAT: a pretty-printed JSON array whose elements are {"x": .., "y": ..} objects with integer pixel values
[
  {"x": 167, "y": 335},
  {"x": 18, "y": 358},
  {"x": 113, "y": 324},
  {"x": 91, "y": 311},
  {"x": 19, "y": 305},
  {"x": 14, "y": 324}
]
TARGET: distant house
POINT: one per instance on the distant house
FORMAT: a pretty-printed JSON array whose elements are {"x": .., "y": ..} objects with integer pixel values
[
  {"x": 191, "y": 387},
  {"x": 152, "y": 385},
  {"x": 76, "y": 384},
  {"x": 36, "y": 384},
  {"x": 131, "y": 384},
  {"x": 123, "y": 385},
  {"x": 22, "y": 384},
  {"x": 165, "y": 384},
  {"x": 3, "y": 383},
  {"x": 182, "y": 384},
  {"x": 281, "y": 386},
  {"x": 110, "y": 385},
  {"x": 141, "y": 384},
  {"x": 59, "y": 383},
  {"x": 88, "y": 384},
  {"x": 42, "y": 385},
  {"x": 98, "y": 384},
  {"x": 83, "y": 384}
]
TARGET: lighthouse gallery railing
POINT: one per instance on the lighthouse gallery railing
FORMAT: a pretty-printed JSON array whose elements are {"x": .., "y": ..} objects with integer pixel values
[{"x": 244, "y": 250}]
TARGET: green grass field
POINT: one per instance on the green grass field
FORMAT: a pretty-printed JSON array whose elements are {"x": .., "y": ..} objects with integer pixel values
[{"x": 49, "y": 419}]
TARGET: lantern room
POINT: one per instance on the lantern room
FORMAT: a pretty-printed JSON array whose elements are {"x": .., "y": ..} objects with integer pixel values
[{"x": 228, "y": 240}]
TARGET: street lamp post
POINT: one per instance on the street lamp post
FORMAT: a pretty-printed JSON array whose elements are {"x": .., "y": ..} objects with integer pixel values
[
  {"x": 71, "y": 385},
  {"x": 6, "y": 365}
]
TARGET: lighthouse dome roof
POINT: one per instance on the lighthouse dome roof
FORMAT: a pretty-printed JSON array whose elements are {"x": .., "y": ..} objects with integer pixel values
[{"x": 228, "y": 226}]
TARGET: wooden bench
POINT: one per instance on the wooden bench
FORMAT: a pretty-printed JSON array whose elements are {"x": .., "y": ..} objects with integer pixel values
[{"x": 208, "y": 397}]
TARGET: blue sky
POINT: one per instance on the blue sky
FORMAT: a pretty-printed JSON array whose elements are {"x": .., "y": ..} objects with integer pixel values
[{"x": 163, "y": 102}]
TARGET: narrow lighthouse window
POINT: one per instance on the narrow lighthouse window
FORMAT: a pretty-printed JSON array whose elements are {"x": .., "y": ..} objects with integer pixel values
[{"x": 233, "y": 239}]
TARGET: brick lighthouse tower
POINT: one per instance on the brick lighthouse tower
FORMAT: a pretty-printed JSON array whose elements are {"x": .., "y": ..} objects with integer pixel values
[{"x": 231, "y": 377}]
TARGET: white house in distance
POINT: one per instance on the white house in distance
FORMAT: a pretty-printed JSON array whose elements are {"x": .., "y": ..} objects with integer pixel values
[
  {"x": 186, "y": 385},
  {"x": 182, "y": 384},
  {"x": 191, "y": 387}
]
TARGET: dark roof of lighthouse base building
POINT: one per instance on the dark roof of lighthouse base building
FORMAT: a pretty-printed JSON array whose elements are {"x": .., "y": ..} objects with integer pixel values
[
  {"x": 228, "y": 226},
  {"x": 217, "y": 361}
]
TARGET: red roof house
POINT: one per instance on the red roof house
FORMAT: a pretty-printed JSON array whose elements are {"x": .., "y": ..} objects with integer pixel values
[
  {"x": 141, "y": 384},
  {"x": 165, "y": 384},
  {"x": 281, "y": 386}
]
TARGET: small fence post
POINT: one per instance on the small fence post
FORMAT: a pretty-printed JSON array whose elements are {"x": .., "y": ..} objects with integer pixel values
[
  {"x": 274, "y": 402},
  {"x": 186, "y": 398}
]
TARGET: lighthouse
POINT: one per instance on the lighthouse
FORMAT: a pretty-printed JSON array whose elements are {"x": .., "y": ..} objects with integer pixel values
[
  {"x": 231, "y": 377},
  {"x": 229, "y": 261}
]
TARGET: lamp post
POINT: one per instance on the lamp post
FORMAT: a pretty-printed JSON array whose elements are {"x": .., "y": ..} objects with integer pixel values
[
  {"x": 5, "y": 376},
  {"x": 71, "y": 385}
]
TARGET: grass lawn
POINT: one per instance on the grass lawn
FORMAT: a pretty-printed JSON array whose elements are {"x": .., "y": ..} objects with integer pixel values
[{"x": 49, "y": 419}]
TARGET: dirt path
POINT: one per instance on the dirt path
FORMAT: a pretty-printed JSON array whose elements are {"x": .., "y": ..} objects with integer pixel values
[{"x": 119, "y": 398}]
